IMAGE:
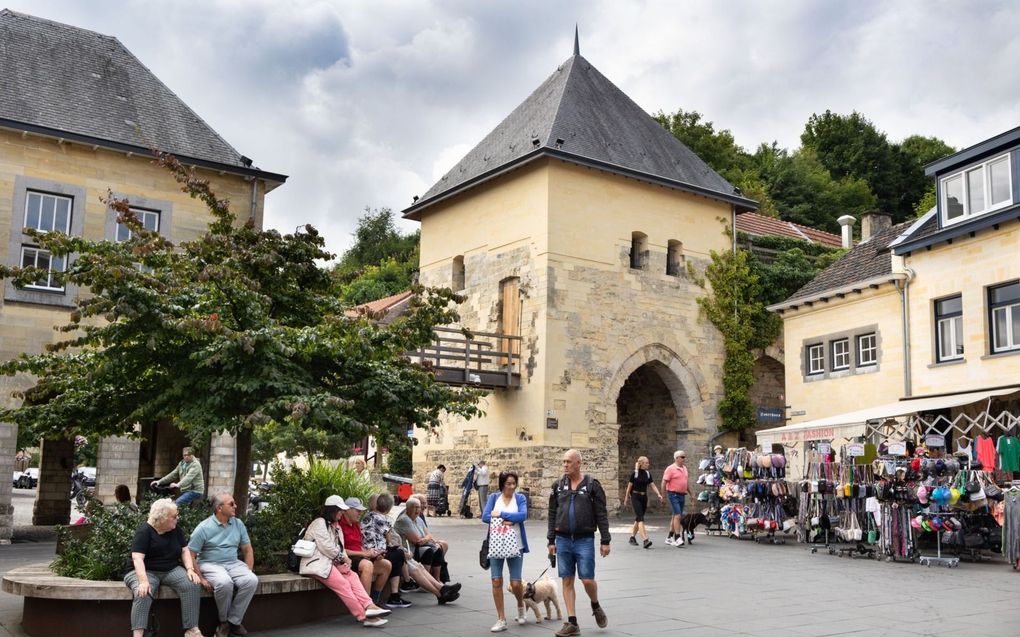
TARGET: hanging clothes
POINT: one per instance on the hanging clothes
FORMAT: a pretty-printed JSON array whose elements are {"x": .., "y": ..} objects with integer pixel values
[
  {"x": 1008, "y": 448},
  {"x": 986, "y": 453},
  {"x": 1011, "y": 526},
  {"x": 966, "y": 448}
]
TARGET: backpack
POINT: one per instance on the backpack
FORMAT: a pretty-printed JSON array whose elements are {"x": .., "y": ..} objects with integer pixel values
[{"x": 586, "y": 482}]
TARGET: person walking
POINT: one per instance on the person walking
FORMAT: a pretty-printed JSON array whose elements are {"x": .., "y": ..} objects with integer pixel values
[
  {"x": 482, "y": 483},
  {"x": 186, "y": 476},
  {"x": 674, "y": 484},
  {"x": 434, "y": 487},
  {"x": 637, "y": 492},
  {"x": 577, "y": 506},
  {"x": 505, "y": 513},
  {"x": 466, "y": 486}
]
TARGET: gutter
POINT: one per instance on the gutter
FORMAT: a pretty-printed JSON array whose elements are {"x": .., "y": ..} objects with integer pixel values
[
  {"x": 825, "y": 295},
  {"x": 905, "y": 317},
  {"x": 132, "y": 149}
]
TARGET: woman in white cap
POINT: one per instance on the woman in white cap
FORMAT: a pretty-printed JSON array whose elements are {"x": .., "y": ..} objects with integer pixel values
[{"x": 330, "y": 564}]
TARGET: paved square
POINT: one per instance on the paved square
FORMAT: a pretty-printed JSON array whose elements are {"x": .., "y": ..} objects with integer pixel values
[{"x": 718, "y": 586}]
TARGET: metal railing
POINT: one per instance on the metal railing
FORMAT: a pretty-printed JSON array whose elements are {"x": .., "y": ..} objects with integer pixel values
[{"x": 483, "y": 359}]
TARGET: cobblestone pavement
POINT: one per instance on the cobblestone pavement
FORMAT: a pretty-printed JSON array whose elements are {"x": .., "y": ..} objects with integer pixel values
[{"x": 718, "y": 586}]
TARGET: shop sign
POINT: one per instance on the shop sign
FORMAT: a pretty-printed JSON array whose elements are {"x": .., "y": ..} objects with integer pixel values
[
  {"x": 896, "y": 448},
  {"x": 552, "y": 423},
  {"x": 770, "y": 414},
  {"x": 766, "y": 444},
  {"x": 818, "y": 433},
  {"x": 934, "y": 440},
  {"x": 824, "y": 448},
  {"x": 855, "y": 450}
]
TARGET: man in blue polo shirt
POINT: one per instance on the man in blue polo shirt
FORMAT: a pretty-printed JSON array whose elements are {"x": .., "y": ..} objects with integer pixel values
[{"x": 215, "y": 543}]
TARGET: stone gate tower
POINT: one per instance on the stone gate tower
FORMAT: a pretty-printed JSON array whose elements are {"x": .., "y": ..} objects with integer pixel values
[{"x": 572, "y": 225}]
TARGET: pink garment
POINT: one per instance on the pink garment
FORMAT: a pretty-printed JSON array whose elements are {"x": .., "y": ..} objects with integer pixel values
[
  {"x": 986, "y": 453},
  {"x": 348, "y": 588}
]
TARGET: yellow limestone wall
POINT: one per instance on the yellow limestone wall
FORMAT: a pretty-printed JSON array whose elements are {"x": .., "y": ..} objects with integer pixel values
[
  {"x": 967, "y": 267},
  {"x": 844, "y": 391}
]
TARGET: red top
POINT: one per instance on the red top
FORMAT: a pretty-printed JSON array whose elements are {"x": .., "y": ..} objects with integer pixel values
[
  {"x": 986, "y": 453},
  {"x": 352, "y": 535},
  {"x": 675, "y": 478}
]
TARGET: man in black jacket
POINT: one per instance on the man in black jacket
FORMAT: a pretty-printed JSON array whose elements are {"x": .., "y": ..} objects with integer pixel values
[{"x": 577, "y": 506}]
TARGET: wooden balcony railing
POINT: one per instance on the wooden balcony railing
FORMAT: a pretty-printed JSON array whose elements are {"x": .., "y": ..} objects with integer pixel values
[{"x": 485, "y": 359}]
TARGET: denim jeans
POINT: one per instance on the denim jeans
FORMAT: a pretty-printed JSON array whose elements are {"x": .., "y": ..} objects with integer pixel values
[{"x": 577, "y": 554}]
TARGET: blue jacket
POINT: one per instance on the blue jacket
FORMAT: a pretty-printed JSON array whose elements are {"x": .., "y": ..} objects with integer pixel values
[{"x": 517, "y": 518}]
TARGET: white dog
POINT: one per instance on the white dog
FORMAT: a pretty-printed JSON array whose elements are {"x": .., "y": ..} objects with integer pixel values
[{"x": 543, "y": 591}]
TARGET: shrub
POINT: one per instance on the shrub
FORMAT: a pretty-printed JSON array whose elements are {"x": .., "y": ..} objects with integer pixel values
[
  {"x": 295, "y": 500},
  {"x": 400, "y": 462}
]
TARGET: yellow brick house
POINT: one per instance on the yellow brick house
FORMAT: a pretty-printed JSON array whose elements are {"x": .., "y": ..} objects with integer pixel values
[
  {"x": 920, "y": 322},
  {"x": 79, "y": 114}
]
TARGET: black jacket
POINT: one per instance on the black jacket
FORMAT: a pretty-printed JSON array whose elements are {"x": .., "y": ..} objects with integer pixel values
[{"x": 589, "y": 510}]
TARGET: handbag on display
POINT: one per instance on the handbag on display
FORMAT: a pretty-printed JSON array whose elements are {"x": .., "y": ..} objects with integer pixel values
[{"x": 503, "y": 542}]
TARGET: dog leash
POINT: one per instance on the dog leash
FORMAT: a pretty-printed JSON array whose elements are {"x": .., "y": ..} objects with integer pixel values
[{"x": 540, "y": 575}]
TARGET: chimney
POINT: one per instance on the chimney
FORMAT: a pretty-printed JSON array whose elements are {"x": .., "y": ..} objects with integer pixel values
[
  {"x": 848, "y": 230},
  {"x": 873, "y": 223}
]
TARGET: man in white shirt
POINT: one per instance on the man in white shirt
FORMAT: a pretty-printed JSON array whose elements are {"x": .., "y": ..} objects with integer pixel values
[{"x": 482, "y": 483}]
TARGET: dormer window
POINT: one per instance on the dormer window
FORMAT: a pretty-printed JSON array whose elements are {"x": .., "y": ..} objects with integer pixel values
[{"x": 976, "y": 190}]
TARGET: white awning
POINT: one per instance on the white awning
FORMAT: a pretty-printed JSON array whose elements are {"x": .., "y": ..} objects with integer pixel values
[{"x": 852, "y": 423}]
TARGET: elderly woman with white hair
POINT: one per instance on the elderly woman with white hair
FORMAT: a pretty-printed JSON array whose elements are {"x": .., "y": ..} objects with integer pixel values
[{"x": 160, "y": 556}]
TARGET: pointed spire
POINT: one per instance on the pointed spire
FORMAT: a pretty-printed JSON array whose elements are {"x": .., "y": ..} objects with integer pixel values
[{"x": 577, "y": 45}]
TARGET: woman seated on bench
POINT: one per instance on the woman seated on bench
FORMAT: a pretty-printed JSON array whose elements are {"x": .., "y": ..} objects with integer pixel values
[{"x": 157, "y": 552}]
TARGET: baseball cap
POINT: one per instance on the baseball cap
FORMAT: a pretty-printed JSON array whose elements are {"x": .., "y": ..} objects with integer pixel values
[
  {"x": 336, "y": 501},
  {"x": 354, "y": 503}
]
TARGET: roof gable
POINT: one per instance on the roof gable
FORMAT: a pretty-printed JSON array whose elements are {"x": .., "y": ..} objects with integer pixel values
[
  {"x": 755, "y": 224},
  {"x": 577, "y": 114},
  {"x": 62, "y": 78}
]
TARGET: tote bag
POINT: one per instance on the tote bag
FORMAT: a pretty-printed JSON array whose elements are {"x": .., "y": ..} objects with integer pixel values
[{"x": 503, "y": 542}]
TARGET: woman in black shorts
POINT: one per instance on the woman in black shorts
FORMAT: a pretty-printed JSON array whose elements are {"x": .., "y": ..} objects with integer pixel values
[{"x": 638, "y": 486}]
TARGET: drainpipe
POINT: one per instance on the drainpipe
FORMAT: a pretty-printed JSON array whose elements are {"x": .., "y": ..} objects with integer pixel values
[
  {"x": 733, "y": 225},
  {"x": 905, "y": 317},
  {"x": 254, "y": 193}
]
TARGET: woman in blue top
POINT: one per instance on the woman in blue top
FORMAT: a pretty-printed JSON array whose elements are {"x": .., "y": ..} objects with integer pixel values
[{"x": 510, "y": 510}]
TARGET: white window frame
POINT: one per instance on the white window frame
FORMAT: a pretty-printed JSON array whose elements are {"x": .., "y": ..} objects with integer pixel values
[
  {"x": 1011, "y": 339},
  {"x": 43, "y": 196},
  {"x": 867, "y": 355},
  {"x": 812, "y": 359},
  {"x": 844, "y": 355},
  {"x": 142, "y": 214},
  {"x": 986, "y": 180},
  {"x": 49, "y": 286}
]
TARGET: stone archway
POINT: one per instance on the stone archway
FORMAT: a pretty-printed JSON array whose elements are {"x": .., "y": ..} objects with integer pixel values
[{"x": 655, "y": 403}]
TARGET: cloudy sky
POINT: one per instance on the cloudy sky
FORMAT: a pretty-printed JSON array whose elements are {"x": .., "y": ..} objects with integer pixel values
[{"x": 367, "y": 103}]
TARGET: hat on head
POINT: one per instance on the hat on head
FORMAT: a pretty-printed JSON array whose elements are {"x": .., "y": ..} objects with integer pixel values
[
  {"x": 336, "y": 501},
  {"x": 354, "y": 503},
  {"x": 717, "y": 447}
]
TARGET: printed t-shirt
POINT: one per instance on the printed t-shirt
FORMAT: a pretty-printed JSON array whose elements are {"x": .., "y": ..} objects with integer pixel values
[
  {"x": 675, "y": 478},
  {"x": 162, "y": 552}
]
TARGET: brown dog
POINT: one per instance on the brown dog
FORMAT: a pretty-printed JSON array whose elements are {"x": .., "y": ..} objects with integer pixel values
[{"x": 543, "y": 591}]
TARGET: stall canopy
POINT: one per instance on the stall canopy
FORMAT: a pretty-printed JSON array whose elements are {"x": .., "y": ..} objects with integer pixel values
[{"x": 853, "y": 423}]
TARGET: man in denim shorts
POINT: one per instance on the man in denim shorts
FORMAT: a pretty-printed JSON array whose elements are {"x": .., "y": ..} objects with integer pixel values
[
  {"x": 577, "y": 506},
  {"x": 674, "y": 485}
]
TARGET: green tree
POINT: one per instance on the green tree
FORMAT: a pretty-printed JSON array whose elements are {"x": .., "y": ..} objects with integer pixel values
[
  {"x": 919, "y": 151},
  {"x": 718, "y": 149},
  {"x": 233, "y": 330},
  {"x": 380, "y": 263},
  {"x": 378, "y": 281}
]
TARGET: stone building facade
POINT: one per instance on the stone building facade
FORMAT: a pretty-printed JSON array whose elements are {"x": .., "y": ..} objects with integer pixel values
[
  {"x": 584, "y": 216},
  {"x": 54, "y": 158}
]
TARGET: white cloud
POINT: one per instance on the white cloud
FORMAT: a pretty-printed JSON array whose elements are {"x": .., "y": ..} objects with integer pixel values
[{"x": 368, "y": 103}]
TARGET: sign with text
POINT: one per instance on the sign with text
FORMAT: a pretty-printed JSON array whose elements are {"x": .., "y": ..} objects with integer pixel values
[
  {"x": 824, "y": 448},
  {"x": 855, "y": 450},
  {"x": 934, "y": 440},
  {"x": 896, "y": 448},
  {"x": 766, "y": 444},
  {"x": 770, "y": 414}
]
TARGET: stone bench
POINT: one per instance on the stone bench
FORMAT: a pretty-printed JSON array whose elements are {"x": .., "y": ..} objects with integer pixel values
[{"x": 104, "y": 608}]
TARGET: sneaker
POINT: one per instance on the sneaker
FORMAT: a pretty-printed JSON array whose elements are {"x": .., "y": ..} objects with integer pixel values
[
  {"x": 409, "y": 586},
  {"x": 498, "y": 627},
  {"x": 193, "y": 632},
  {"x": 448, "y": 593},
  {"x": 223, "y": 630},
  {"x": 396, "y": 601},
  {"x": 374, "y": 622},
  {"x": 633, "y": 541},
  {"x": 567, "y": 630},
  {"x": 522, "y": 616},
  {"x": 679, "y": 542},
  {"x": 238, "y": 630},
  {"x": 600, "y": 617},
  {"x": 377, "y": 612},
  {"x": 670, "y": 542},
  {"x": 648, "y": 544}
]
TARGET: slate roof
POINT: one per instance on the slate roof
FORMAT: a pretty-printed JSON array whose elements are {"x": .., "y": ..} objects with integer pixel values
[
  {"x": 579, "y": 115},
  {"x": 753, "y": 223},
  {"x": 61, "y": 78},
  {"x": 868, "y": 260}
]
